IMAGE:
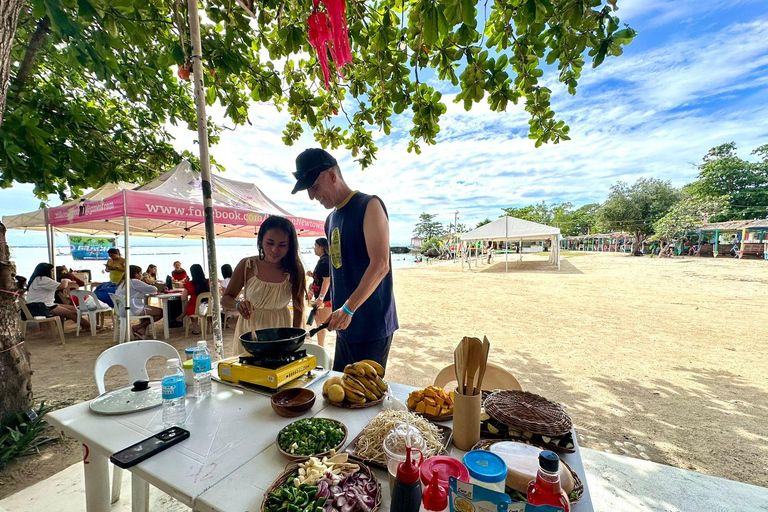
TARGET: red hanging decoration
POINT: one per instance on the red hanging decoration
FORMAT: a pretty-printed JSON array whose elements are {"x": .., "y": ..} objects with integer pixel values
[
  {"x": 337, "y": 12},
  {"x": 319, "y": 38}
]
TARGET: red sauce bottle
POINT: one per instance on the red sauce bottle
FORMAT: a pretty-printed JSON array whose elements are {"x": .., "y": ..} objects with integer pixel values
[{"x": 546, "y": 490}]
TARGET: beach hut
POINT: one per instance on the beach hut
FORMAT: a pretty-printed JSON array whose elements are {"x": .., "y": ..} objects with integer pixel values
[
  {"x": 749, "y": 235},
  {"x": 512, "y": 229}
]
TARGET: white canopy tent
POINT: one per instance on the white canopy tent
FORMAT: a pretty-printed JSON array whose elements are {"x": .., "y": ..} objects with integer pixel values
[{"x": 512, "y": 229}]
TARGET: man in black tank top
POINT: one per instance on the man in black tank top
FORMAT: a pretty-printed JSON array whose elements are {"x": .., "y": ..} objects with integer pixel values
[{"x": 364, "y": 313}]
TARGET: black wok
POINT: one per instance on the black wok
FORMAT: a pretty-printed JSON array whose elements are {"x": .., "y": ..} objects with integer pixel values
[{"x": 281, "y": 339}]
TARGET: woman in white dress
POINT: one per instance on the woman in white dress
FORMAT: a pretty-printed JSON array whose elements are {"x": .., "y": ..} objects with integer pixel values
[{"x": 272, "y": 280}]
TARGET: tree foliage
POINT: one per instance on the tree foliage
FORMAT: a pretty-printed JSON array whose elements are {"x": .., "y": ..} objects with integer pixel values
[
  {"x": 456, "y": 228},
  {"x": 483, "y": 222},
  {"x": 634, "y": 208},
  {"x": 538, "y": 212},
  {"x": 428, "y": 227},
  {"x": 687, "y": 213},
  {"x": 745, "y": 184},
  {"x": 93, "y": 83}
]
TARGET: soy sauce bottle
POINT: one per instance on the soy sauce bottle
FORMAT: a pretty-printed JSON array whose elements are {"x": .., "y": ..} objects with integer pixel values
[
  {"x": 546, "y": 489},
  {"x": 406, "y": 496}
]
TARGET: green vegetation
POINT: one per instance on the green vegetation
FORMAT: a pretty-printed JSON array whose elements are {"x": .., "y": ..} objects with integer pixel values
[
  {"x": 94, "y": 82},
  {"x": 20, "y": 435}
]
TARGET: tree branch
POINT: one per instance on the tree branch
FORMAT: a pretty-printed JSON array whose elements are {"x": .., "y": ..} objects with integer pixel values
[{"x": 35, "y": 43}]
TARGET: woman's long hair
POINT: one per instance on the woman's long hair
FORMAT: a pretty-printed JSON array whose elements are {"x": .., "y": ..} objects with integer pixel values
[
  {"x": 291, "y": 263},
  {"x": 226, "y": 271},
  {"x": 198, "y": 279},
  {"x": 323, "y": 243},
  {"x": 42, "y": 269},
  {"x": 149, "y": 271}
]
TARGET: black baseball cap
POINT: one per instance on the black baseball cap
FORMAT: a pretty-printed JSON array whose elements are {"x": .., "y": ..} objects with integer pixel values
[{"x": 309, "y": 164}]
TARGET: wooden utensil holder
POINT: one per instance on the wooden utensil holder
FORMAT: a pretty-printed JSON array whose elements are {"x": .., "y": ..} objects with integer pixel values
[{"x": 466, "y": 420}]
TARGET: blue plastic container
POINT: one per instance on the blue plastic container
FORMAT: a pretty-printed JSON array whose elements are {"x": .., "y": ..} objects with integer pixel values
[{"x": 486, "y": 469}]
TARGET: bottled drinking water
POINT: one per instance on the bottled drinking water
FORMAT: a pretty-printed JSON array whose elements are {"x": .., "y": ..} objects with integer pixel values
[
  {"x": 201, "y": 365},
  {"x": 174, "y": 389}
]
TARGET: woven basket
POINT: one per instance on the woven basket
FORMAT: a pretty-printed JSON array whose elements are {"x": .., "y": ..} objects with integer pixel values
[
  {"x": 350, "y": 405},
  {"x": 528, "y": 412},
  {"x": 292, "y": 468},
  {"x": 578, "y": 486},
  {"x": 320, "y": 455}
]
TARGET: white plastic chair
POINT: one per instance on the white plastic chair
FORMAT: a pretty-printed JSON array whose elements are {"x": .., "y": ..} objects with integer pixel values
[
  {"x": 133, "y": 357},
  {"x": 81, "y": 309},
  {"x": 119, "y": 317},
  {"x": 39, "y": 320},
  {"x": 324, "y": 359},
  {"x": 201, "y": 317},
  {"x": 495, "y": 377}
]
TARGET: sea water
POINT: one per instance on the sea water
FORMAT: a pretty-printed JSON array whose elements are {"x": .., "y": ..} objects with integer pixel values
[{"x": 26, "y": 258}]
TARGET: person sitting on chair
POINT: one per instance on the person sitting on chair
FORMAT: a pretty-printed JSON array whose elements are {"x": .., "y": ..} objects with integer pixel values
[
  {"x": 199, "y": 284},
  {"x": 42, "y": 289},
  {"x": 139, "y": 290}
]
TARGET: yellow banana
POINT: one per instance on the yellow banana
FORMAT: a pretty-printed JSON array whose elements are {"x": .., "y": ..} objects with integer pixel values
[
  {"x": 350, "y": 381},
  {"x": 376, "y": 366},
  {"x": 370, "y": 371},
  {"x": 353, "y": 395},
  {"x": 355, "y": 370},
  {"x": 380, "y": 382},
  {"x": 370, "y": 385}
]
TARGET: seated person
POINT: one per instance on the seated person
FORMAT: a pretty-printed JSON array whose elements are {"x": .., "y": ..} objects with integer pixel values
[
  {"x": 21, "y": 285},
  {"x": 179, "y": 275},
  {"x": 192, "y": 288},
  {"x": 42, "y": 288},
  {"x": 115, "y": 265},
  {"x": 226, "y": 277},
  {"x": 150, "y": 276},
  {"x": 139, "y": 290}
]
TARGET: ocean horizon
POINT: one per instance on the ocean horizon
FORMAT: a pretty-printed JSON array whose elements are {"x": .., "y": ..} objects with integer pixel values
[{"x": 27, "y": 257}]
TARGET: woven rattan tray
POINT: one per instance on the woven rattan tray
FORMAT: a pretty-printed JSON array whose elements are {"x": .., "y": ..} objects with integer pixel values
[
  {"x": 528, "y": 412},
  {"x": 292, "y": 468},
  {"x": 578, "y": 486}
]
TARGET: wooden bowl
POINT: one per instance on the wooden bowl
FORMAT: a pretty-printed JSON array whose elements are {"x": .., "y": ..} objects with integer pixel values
[{"x": 293, "y": 402}]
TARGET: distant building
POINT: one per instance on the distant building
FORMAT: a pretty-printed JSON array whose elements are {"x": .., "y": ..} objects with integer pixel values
[{"x": 417, "y": 243}]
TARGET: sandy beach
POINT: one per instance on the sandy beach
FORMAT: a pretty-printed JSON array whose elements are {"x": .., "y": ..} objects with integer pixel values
[{"x": 660, "y": 359}]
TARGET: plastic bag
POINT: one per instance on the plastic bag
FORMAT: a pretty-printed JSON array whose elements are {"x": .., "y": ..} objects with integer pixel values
[{"x": 90, "y": 303}]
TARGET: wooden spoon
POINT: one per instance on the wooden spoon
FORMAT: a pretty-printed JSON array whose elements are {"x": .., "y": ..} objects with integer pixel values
[
  {"x": 483, "y": 365},
  {"x": 459, "y": 366},
  {"x": 474, "y": 361}
]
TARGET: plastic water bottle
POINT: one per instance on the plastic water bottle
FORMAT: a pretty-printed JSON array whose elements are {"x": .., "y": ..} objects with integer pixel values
[
  {"x": 201, "y": 365},
  {"x": 174, "y": 389}
]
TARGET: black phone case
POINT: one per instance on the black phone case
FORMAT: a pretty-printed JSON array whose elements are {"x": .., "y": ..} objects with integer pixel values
[{"x": 150, "y": 446}]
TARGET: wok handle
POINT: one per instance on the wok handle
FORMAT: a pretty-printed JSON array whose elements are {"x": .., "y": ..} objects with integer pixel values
[{"x": 318, "y": 329}]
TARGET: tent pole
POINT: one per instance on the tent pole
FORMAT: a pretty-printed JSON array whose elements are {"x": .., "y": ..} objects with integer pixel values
[
  {"x": 127, "y": 275},
  {"x": 506, "y": 234},
  {"x": 205, "y": 167},
  {"x": 53, "y": 246},
  {"x": 48, "y": 235}
]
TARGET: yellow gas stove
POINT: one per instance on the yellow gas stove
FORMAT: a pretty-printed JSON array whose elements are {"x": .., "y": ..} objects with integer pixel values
[{"x": 267, "y": 371}]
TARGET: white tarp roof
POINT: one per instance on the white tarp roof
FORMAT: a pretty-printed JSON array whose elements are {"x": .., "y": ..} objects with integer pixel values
[
  {"x": 35, "y": 221},
  {"x": 163, "y": 208},
  {"x": 511, "y": 228}
]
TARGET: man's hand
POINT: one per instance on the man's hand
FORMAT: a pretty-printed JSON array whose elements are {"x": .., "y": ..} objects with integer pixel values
[
  {"x": 339, "y": 320},
  {"x": 318, "y": 302}
]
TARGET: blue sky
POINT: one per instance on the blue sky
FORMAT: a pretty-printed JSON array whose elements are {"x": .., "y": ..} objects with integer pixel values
[{"x": 696, "y": 76}]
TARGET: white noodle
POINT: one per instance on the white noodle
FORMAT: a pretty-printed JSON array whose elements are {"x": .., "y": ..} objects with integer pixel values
[{"x": 370, "y": 443}]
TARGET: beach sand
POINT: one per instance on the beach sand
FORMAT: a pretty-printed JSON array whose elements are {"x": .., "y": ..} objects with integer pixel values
[{"x": 660, "y": 359}]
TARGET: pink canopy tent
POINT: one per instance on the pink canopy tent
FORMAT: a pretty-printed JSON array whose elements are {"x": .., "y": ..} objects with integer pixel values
[{"x": 170, "y": 206}]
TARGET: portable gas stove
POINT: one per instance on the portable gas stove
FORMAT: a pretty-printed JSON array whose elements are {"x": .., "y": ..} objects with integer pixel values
[{"x": 270, "y": 371}]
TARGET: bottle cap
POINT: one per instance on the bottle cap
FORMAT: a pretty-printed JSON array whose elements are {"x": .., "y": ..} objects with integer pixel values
[
  {"x": 408, "y": 471},
  {"x": 444, "y": 467},
  {"x": 485, "y": 466},
  {"x": 172, "y": 362},
  {"x": 549, "y": 461},
  {"x": 202, "y": 344},
  {"x": 435, "y": 496}
]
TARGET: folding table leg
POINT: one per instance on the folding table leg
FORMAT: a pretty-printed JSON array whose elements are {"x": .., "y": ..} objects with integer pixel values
[
  {"x": 96, "y": 469},
  {"x": 139, "y": 494}
]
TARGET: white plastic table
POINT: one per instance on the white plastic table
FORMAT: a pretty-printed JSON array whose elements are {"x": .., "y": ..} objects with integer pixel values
[
  {"x": 164, "y": 298},
  {"x": 244, "y": 489},
  {"x": 228, "y": 430},
  {"x": 230, "y": 458}
]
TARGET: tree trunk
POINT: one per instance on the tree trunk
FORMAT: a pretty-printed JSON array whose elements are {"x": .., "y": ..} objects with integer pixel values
[
  {"x": 15, "y": 370},
  {"x": 9, "y": 17},
  {"x": 639, "y": 239}
]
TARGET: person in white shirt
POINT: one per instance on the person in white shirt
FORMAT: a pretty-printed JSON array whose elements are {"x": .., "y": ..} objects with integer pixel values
[
  {"x": 42, "y": 288},
  {"x": 139, "y": 290}
]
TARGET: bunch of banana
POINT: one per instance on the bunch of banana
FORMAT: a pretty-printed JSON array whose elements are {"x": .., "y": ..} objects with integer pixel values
[{"x": 362, "y": 382}]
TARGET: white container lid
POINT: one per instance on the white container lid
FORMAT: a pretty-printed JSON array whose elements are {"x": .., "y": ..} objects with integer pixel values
[{"x": 124, "y": 401}]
